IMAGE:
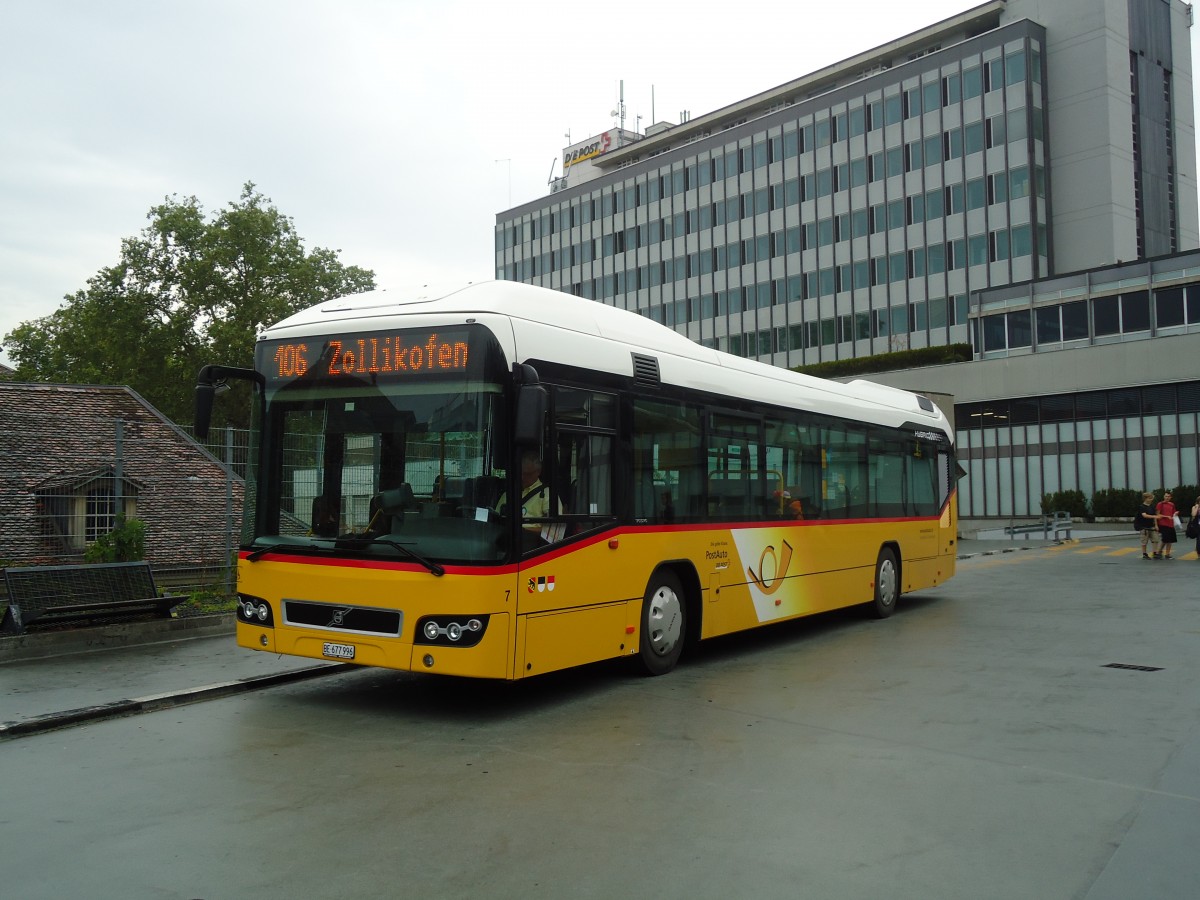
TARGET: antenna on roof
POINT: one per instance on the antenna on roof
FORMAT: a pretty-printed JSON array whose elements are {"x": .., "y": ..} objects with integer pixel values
[{"x": 619, "y": 112}]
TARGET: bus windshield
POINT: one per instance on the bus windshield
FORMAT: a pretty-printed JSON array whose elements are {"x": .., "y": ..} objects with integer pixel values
[{"x": 404, "y": 468}]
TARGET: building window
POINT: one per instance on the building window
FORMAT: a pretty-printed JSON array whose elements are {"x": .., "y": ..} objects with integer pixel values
[
  {"x": 993, "y": 74},
  {"x": 858, "y": 171},
  {"x": 916, "y": 209},
  {"x": 973, "y": 138},
  {"x": 1014, "y": 68},
  {"x": 1074, "y": 321},
  {"x": 1135, "y": 312},
  {"x": 874, "y": 115},
  {"x": 893, "y": 110},
  {"x": 998, "y": 245},
  {"x": 935, "y": 258},
  {"x": 859, "y": 223},
  {"x": 1018, "y": 129},
  {"x": 895, "y": 161},
  {"x": 976, "y": 193},
  {"x": 997, "y": 188},
  {"x": 1168, "y": 307},
  {"x": 977, "y": 249},
  {"x": 931, "y": 96},
  {"x": 954, "y": 199},
  {"x": 952, "y": 144},
  {"x": 1018, "y": 182},
  {"x": 1021, "y": 241},
  {"x": 916, "y": 262},
  {"x": 912, "y": 103},
  {"x": 101, "y": 514},
  {"x": 858, "y": 121},
  {"x": 913, "y": 157},
  {"x": 972, "y": 83},
  {"x": 995, "y": 131},
  {"x": 951, "y": 89}
]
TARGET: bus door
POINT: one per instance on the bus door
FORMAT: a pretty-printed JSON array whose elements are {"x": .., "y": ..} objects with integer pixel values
[
  {"x": 948, "y": 474},
  {"x": 572, "y": 607}
]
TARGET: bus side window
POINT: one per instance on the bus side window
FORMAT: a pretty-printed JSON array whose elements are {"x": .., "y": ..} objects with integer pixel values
[
  {"x": 582, "y": 459},
  {"x": 669, "y": 481},
  {"x": 844, "y": 485}
]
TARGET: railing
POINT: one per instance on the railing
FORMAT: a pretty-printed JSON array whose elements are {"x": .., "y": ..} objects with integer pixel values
[{"x": 1054, "y": 524}]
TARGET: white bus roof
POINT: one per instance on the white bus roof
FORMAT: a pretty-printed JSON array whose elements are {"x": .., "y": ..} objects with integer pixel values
[{"x": 558, "y": 327}]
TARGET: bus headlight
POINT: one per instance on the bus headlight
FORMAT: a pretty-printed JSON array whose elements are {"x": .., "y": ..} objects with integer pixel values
[
  {"x": 461, "y": 631},
  {"x": 254, "y": 610}
]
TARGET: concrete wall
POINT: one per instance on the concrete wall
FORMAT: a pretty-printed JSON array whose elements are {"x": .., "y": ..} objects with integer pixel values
[{"x": 1125, "y": 364}]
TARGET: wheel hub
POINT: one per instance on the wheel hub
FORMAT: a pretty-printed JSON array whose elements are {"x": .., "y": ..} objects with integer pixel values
[{"x": 665, "y": 621}]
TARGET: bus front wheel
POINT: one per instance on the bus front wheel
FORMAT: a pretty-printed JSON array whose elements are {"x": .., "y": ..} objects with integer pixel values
[
  {"x": 887, "y": 584},
  {"x": 663, "y": 624}
]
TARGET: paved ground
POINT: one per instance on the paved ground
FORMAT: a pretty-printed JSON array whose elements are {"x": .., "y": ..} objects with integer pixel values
[
  {"x": 1029, "y": 729},
  {"x": 49, "y": 681},
  {"x": 65, "y": 677}
]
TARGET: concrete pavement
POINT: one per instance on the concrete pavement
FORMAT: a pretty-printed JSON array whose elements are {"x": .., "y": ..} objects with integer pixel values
[
  {"x": 63, "y": 678},
  {"x": 55, "y": 679}
]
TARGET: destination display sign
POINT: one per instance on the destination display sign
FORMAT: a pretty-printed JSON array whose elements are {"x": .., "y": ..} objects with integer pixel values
[{"x": 370, "y": 355}]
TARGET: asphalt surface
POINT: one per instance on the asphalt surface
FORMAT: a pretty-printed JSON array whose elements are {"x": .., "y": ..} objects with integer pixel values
[
  {"x": 59, "y": 679},
  {"x": 50, "y": 682},
  {"x": 1028, "y": 729}
]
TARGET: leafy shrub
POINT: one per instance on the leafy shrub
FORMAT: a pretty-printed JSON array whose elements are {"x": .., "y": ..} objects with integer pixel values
[
  {"x": 1072, "y": 502},
  {"x": 889, "y": 362},
  {"x": 125, "y": 543},
  {"x": 1185, "y": 495},
  {"x": 1116, "y": 502}
]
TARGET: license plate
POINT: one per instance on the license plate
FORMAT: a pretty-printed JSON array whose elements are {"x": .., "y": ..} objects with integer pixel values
[{"x": 337, "y": 651}]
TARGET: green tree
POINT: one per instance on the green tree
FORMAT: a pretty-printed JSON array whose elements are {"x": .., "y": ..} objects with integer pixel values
[{"x": 188, "y": 290}]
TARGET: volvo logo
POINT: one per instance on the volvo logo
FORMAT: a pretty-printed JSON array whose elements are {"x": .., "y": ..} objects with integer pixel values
[{"x": 339, "y": 617}]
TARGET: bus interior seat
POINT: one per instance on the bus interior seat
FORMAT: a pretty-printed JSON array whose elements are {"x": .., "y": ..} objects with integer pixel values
[
  {"x": 483, "y": 490},
  {"x": 397, "y": 499},
  {"x": 452, "y": 489}
]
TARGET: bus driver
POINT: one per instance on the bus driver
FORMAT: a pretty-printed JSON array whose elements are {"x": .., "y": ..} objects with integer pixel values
[{"x": 535, "y": 497}]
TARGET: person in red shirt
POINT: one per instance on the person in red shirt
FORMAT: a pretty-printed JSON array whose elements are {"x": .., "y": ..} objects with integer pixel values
[{"x": 1166, "y": 524}]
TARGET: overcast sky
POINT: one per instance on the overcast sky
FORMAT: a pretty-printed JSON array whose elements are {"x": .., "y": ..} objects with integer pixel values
[{"x": 393, "y": 131}]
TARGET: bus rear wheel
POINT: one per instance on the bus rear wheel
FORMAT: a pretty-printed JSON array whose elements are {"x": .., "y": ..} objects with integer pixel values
[
  {"x": 663, "y": 624},
  {"x": 887, "y": 584}
]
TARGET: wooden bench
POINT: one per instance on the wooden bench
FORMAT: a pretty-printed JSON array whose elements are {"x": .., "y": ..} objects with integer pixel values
[{"x": 42, "y": 596}]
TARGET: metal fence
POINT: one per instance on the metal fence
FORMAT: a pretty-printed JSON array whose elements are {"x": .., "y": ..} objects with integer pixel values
[{"x": 68, "y": 485}]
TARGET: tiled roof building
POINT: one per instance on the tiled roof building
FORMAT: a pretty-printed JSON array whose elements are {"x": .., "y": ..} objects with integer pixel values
[{"x": 74, "y": 456}]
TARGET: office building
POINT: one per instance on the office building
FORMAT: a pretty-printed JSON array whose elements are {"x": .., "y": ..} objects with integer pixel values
[{"x": 899, "y": 198}]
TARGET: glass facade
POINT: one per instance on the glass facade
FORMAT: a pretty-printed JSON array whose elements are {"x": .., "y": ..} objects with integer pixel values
[
  {"x": 1016, "y": 450},
  {"x": 851, "y": 223},
  {"x": 1141, "y": 435}
]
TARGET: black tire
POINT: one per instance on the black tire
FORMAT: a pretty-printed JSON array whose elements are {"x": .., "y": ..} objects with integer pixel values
[
  {"x": 887, "y": 584},
  {"x": 664, "y": 624}
]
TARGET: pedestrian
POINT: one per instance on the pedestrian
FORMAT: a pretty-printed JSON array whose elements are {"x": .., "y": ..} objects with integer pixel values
[
  {"x": 1166, "y": 524},
  {"x": 1146, "y": 523},
  {"x": 1193, "y": 527}
]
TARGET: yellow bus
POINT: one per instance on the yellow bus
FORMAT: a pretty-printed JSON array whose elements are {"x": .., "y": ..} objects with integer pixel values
[{"x": 661, "y": 492}]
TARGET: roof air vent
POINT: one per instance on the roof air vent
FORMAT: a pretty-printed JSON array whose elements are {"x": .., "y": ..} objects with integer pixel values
[
  {"x": 645, "y": 370},
  {"x": 925, "y": 403}
]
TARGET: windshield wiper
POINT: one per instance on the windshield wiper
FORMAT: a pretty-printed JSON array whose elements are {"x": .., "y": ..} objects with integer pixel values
[
  {"x": 255, "y": 555},
  {"x": 356, "y": 543}
]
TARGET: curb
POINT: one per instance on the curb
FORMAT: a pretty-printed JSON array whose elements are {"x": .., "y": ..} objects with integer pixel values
[
  {"x": 119, "y": 708},
  {"x": 40, "y": 645},
  {"x": 1002, "y": 550},
  {"x": 1079, "y": 538}
]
